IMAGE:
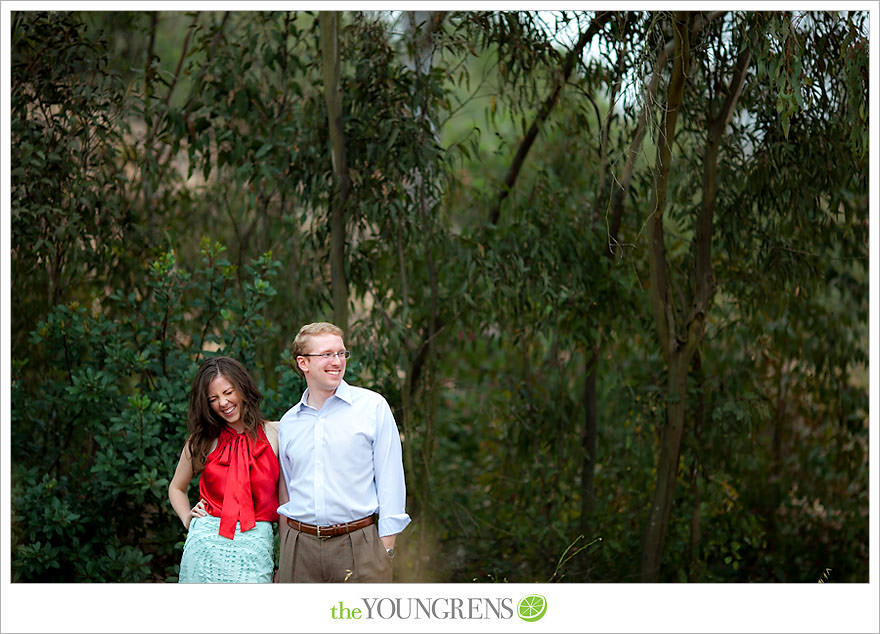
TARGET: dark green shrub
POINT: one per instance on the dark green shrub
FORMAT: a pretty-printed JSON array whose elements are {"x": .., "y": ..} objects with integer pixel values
[{"x": 99, "y": 418}]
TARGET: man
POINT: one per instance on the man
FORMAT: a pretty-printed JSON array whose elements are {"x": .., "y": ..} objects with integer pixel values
[{"x": 342, "y": 492}]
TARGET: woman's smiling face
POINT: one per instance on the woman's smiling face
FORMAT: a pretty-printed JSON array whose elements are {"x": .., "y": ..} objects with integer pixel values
[{"x": 225, "y": 400}]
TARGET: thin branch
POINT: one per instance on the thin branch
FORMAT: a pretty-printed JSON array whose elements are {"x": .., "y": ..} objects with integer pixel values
[
  {"x": 650, "y": 94},
  {"x": 183, "y": 51},
  {"x": 573, "y": 56},
  {"x": 659, "y": 291},
  {"x": 704, "y": 282}
]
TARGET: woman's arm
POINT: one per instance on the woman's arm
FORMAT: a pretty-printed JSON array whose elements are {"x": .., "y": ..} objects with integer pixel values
[
  {"x": 282, "y": 490},
  {"x": 177, "y": 495}
]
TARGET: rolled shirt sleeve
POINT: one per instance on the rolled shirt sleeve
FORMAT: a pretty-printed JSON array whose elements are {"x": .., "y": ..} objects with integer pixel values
[{"x": 388, "y": 469}]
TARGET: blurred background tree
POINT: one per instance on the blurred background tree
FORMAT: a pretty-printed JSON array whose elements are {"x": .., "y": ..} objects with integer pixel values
[{"x": 609, "y": 268}]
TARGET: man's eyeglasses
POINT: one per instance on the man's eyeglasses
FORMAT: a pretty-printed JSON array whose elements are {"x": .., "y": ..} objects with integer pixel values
[{"x": 342, "y": 354}]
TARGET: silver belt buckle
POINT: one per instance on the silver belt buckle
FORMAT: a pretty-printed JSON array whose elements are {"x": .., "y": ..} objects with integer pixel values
[{"x": 318, "y": 531}]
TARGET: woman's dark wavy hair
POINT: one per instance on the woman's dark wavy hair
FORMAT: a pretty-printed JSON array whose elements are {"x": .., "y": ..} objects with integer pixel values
[{"x": 203, "y": 422}]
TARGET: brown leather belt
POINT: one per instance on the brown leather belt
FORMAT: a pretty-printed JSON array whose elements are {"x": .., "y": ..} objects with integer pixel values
[{"x": 333, "y": 530}]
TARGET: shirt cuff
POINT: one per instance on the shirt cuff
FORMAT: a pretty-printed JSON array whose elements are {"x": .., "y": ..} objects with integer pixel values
[{"x": 393, "y": 524}]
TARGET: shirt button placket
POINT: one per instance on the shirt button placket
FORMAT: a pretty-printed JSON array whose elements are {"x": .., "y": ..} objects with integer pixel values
[{"x": 319, "y": 472}]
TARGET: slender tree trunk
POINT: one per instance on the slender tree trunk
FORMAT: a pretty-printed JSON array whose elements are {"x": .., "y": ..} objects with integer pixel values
[
  {"x": 590, "y": 435},
  {"x": 149, "y": 150},
  {"x": 693, "y": 563},
  {"x": 670, "y": 442},
  {"x": 667, "y": 471},
  {"x": 590, "y": 442},
  {"x": 421, "y": 26},
  {"x": 329, "y": 22},
  {"x": 624, "y": 180},
  {"x": 679, "y": 344}
]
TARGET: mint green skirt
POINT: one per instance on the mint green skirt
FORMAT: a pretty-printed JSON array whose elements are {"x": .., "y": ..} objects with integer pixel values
[{"x": 209, "y": 557}]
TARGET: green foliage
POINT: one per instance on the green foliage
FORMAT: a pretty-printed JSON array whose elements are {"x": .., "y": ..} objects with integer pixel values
[
  {"x": 133, "y": 133},
  {"x": 99, "y": 418},
  {"x": 69, "y": 222}
]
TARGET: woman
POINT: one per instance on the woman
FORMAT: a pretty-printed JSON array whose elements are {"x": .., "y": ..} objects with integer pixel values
[{"x": 229, "y": 537}]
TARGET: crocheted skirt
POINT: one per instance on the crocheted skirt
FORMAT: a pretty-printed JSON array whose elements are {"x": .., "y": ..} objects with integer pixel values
[{"x": 209, "y": 557}]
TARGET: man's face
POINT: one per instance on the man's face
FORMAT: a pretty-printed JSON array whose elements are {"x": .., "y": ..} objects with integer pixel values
[{"x": 323, "y": 374}]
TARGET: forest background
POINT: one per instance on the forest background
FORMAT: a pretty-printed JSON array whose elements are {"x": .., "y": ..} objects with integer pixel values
[{"x": 610, "y": 269}]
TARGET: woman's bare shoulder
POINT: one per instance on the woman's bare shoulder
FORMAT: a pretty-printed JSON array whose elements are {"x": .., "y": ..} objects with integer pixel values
[{"x": 271, "y": 427}]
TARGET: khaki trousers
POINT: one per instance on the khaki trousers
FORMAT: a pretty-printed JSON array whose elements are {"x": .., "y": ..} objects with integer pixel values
[{"x": 358, "y": 556}]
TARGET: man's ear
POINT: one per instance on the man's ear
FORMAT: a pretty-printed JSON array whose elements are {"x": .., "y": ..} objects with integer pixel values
[{"x": 301, "y": 363}]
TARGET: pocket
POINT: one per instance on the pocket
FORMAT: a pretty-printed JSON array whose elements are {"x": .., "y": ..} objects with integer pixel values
[
  {"x": 287, "y": 555},
  {"x": 382, "y": 558},
  {"x": 372, "y": 563}
]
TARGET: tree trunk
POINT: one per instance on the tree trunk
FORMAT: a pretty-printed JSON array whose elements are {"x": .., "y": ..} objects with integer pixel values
[
  {"x": 590, "y": 442},
  {"x": 590, "y": 432},
  {"x": 670, "y": 443},
  {"x": 624, "y": 180},
  {"x": 329, "y": 22},
  {"x": 678, "y": 345},
  {"x": 693, "y": 557},
  {"x": 418, "y": 393},
  {"x": 667, "y": 471},
  {"x": 149, "y": 147}
]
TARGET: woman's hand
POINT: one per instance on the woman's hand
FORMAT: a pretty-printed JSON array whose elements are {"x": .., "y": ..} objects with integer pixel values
[{"x": 199, "y": 509}]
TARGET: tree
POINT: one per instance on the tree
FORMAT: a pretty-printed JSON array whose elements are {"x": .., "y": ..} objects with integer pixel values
[
  {"x": 681, "y": 327},
  {"x": 333, "y": 96},
  {"x": 609, "y": 269},
  {"x": 69, "y": 217}
]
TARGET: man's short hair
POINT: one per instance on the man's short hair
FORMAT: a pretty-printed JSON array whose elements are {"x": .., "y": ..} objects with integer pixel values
[{"x": 313, "y": 330}]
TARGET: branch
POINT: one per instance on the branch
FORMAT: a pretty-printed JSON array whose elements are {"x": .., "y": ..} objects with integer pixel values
[
  {"x": 183, "y": 51},
  {"x": 573, "y": 56},
  {"x": 704, "y": 282},
  {"x": 659, "y": 291},
  {"x": 650, "y": 95},
  {"x": 603, "y": 139}
]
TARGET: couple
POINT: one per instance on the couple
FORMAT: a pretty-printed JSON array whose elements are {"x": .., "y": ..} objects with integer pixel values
[{"x": 338, "y": 494}]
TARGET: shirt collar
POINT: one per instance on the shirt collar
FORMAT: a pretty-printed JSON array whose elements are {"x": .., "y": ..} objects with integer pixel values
[{"x": 343, "y": 392}]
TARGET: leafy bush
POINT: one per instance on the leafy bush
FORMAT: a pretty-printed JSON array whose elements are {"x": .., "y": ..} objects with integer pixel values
[{"x": 99, "y": 417}]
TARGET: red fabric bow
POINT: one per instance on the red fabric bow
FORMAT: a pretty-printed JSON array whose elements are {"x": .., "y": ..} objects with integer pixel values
[{"x": 238, "y": 498}]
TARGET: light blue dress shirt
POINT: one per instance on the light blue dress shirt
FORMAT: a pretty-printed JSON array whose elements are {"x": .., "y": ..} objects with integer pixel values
[{"x": 343, "y": 462}]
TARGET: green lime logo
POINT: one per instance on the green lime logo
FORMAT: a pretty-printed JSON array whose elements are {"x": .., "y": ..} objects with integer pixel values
[{"x": 532, "y": 607}]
